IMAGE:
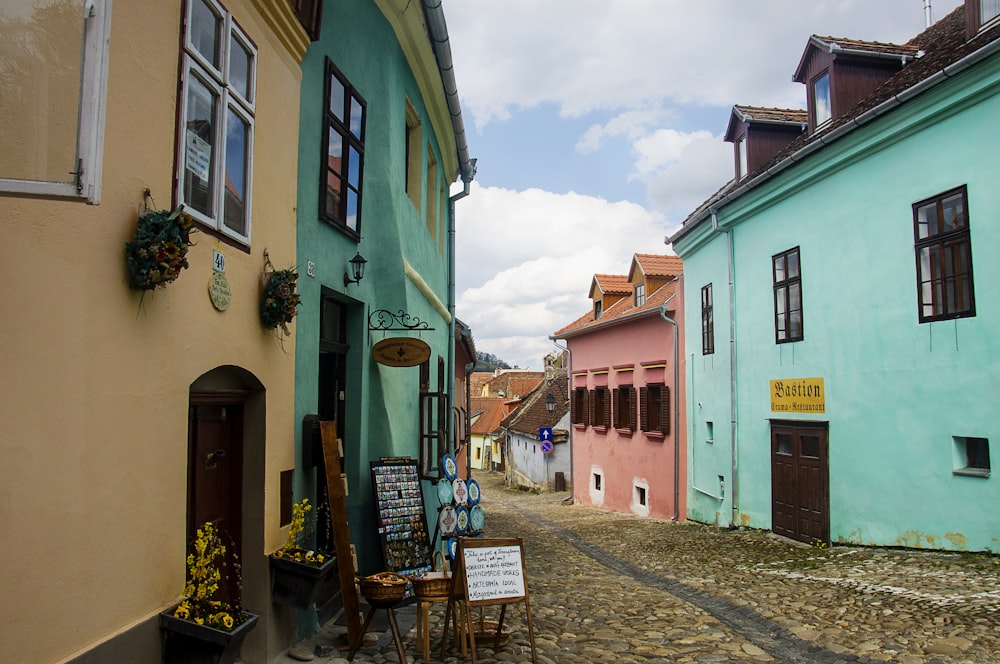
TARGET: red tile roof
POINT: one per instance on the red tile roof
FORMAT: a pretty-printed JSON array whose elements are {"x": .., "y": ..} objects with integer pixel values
[
  {"x": 625, "y": 309},
  {"x": 656, "y": 265},
  {"x": 493, "y": 412},
  {"x": 533, "y": 414},
  {"x": 612, "y": 284}
]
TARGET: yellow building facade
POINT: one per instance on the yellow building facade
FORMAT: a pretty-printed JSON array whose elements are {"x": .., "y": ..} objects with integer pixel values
[{"x": 111, "y": 394}]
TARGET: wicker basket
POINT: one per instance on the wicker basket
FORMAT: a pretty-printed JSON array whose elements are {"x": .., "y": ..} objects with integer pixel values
[
  {"x": 383, "y": 587},
  {"x": 435, "y": 584}
]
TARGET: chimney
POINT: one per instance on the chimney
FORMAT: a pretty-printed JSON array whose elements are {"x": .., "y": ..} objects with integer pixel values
[{"x": 928, "y": 20}]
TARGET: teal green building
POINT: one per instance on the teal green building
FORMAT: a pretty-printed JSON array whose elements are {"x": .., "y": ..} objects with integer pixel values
[
  {"x": 843, "y": 364},
  {"x": 381, "y": 143}
]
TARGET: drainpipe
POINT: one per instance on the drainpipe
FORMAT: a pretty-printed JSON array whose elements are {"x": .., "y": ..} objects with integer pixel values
[
  {"x": 734, "y": 519},
  {"x": 677, "y": 446},
  {"x": 569, "y": 397},
  {"x": 437, "y": 31}
]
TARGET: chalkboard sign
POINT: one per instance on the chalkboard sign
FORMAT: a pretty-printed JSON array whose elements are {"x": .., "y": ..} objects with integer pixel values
[
  {"x": 494, "y": 573},
  {"x": 402, "y": 527},
  {"x": 489, "y": 572}
]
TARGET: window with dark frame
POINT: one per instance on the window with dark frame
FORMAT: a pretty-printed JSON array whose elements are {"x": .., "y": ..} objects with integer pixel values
[
  {"x": 707, "y": 321},
  {"x": 598, "y": 306},
  {"x": 654, "y": 408},
  {"x": 944, "y": 257},
  {"x": 974, "y": 453},
  {"x": 579, "y": 406},
  {"x": 640, "y": 294},
  {"x": 600, "y": 408},
  {"x": 787, "y": 274},
  {"x": 624, "y": 408},
  {"x": 342, "y": 170}
]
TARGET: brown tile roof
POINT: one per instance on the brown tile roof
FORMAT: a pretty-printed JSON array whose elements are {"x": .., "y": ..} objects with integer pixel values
[
  {"x": 477, "y": 380},
  {"x": 620, "y": 312},
  {"x": 777, "y": 115},
  {"x": 493, "y": 411},
  {"x": 532, "y": 415},
  {"x": 943, "y": 44},
  {"x": 656, "y": 265},
  {"x": 612, "y": 284},
  {"x": 514, "y": 384},
  {"x": 872, "y": 48}
]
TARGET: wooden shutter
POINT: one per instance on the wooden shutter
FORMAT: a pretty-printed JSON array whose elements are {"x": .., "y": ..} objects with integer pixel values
[
  {"x": 665, "y": 409},
  {"x": 607, "y": 408},
  {"x": 591, "y": 407},
  {"x": 573, "y": 412},
  {"x": 617, "y": 396},
  {"x": 631, "y": 408},
  {"x": 643, "y": 408}
]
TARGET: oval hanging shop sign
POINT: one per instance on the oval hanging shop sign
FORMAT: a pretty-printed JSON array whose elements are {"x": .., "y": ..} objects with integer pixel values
[{"x": 401, "y": 352}]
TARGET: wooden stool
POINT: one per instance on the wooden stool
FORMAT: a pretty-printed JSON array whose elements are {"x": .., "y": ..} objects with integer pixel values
[
  {"x": 423, "y": 624},
  {"x": 389, "y": 606}
]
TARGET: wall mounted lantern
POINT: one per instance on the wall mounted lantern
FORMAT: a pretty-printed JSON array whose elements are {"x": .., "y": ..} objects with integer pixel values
[
  {"x": 357, "y": 269},
  {"x": 550, "y": 403}
]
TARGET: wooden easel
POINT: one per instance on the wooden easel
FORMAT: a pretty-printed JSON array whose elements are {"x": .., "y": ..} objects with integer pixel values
[
  {"x": 341, "y": 531},
  {"x": 489, "y": 572}
]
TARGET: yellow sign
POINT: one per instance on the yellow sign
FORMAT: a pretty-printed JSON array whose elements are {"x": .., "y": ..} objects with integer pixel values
[
  {"x": 798, "y": 395},
  {"x": 401, "y": 352}
]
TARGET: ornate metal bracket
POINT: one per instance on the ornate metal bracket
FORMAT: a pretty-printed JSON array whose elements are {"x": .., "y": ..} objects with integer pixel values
[{"x": 383, "y": 319}]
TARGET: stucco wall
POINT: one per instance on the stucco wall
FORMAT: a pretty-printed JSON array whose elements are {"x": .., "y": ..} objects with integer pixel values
[
  {"x": 627, "y": 460},
  {"x": 94, "y": 434},
  {"x": 897, "y": 391}
]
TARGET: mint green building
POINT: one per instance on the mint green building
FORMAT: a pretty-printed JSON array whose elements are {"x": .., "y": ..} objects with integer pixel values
[
  {"x": 381, "y": 142},
  {"x": 843, "y": 381}
]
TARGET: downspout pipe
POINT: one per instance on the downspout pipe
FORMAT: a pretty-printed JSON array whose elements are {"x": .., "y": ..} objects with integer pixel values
[
  {"x": 733, "y": 431},
  {"x": 437, "y": 30},
  {"x": 677, "y": 445},
  {"x": 569, "y": 397}
]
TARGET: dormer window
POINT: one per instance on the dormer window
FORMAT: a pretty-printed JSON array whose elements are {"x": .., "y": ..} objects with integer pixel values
[
  {"x": 640, "y": 294},
  {"x": 821, "y": 98},
  {"x": 597, "y": 309},
  {"x": 742, "y": 162}
]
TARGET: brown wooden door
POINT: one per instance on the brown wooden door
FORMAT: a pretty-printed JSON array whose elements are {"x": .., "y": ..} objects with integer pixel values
[
  {"x": 215, "y": 476},
  {"x": 800, "y": 485}
]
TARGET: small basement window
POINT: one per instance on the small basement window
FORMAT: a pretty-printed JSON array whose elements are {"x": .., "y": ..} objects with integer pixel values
[{"x": 972, "y": 456}]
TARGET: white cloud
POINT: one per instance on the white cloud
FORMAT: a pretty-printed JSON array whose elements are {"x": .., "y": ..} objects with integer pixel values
[
  {"x": 651, "y": 79},
  {"x": 526, "y": 260}
]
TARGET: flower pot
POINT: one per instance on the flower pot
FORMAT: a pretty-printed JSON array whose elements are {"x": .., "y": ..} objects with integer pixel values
[
  {"x": 299, "y": 584},
  {"x": 186, "y": 642}
]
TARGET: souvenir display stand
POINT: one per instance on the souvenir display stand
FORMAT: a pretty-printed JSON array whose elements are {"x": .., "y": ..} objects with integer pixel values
[{"x": 402, "y": 529}]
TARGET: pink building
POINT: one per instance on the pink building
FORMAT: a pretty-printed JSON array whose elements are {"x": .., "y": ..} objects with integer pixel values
[{"x": 627, "y": 391}]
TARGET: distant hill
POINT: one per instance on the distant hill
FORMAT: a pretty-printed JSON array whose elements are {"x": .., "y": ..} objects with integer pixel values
[{"x": 489, "y": 362}]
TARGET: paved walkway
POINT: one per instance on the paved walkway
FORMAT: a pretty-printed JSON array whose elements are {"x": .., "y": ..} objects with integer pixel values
[{"x": 607, "y": 587}]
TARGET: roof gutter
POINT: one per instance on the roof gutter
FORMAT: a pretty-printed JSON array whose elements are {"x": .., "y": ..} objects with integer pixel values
[
  {"x": 438, "y": 30},
  {"x": 839, "y": 132},
  {"x": 609, "y": 323}
]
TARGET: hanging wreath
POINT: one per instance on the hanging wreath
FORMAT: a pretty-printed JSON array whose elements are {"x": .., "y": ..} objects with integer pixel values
[
  {"x": 278, "y": 302},
  {"x": 158, "y": 250}
]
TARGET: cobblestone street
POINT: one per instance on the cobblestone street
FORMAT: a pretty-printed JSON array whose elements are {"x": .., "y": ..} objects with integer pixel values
[{"x": 607, "y": 587}]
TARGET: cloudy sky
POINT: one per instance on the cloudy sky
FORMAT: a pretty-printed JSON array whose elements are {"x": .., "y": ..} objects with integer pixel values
[{"x": 597, "y": 125}]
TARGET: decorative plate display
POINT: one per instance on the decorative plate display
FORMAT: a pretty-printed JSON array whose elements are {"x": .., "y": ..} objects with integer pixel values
[
  {"x": 449, "y": 466},
  {"x": 461, "y": 491},
  {"x": 447, "y": 521},
  {"x": 474, "y": 493},
  {"x": 461, "y": 520},
  {"x": 452, "y": 548},
  {"x": 476, "y": 518},
  {"x": 444, "y": 492}
]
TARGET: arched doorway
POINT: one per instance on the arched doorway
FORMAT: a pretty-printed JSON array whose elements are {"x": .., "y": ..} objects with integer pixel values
[{"x": 225, "y": 476}]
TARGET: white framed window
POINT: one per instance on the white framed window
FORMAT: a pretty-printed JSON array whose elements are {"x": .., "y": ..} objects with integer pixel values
[
  {"x": 988, "y": 10},
  {"x": 821, "y": 99},
  {"x": 742, "y": 160},
  {"x": 53, "y": 83},
  {"x": 215, "y": 135}
]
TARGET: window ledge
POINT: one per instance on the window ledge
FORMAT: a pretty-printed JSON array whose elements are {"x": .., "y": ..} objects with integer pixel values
[
  {"x": 655, "y": 435},
  {"x": 972, "y": 472},
  {"x": 600, "y": 429},
  {"x": 579, "y": 427},
  {"x": 624, "y": 432}
]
